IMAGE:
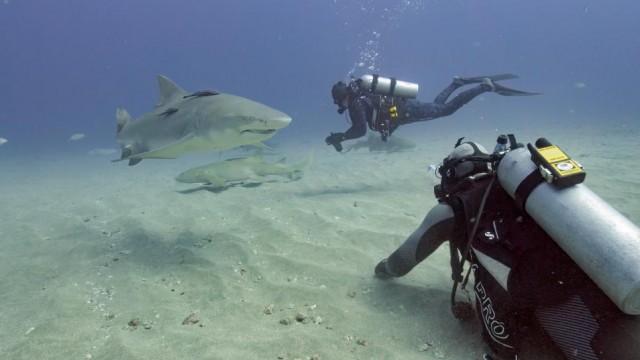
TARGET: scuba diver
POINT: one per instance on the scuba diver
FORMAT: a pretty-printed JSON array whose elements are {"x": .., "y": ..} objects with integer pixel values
[
  {"x": 383, "y": 103},
  {"x": 550, "y": 259}
]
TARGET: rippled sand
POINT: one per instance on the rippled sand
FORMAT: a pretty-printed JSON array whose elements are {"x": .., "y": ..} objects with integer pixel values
[{"x": 106, "y": 261}]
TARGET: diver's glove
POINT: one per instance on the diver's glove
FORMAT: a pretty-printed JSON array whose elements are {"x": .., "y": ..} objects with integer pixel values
[{"x": 335, "y": 139}]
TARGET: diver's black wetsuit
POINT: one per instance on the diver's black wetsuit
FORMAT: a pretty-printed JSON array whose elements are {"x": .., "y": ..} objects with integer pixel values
[
  {"x": 361, "y": 114},
  {"x": 361, "y": 109}
]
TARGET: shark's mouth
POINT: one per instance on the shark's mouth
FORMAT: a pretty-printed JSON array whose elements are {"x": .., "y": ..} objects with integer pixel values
[{"x": 262, "y": 132}]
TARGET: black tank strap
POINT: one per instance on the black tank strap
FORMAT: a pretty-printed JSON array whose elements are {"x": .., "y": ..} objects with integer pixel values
[
  {"x": 374, "y": 83},
  {"x": 526, "y": 187},
  {"x": 392, "y": 88}
]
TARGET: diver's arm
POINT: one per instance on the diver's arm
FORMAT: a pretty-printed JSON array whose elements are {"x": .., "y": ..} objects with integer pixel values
[
  {"x": 358, "y": 114},
  {"x": 436, "y": 227},
  {"x": 355, "y": 131}
]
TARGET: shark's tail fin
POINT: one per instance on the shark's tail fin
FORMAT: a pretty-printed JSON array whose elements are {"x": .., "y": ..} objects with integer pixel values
[{"x": 122, "y": 119}]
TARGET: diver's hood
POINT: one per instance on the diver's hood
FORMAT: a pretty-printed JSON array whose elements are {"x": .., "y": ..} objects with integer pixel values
[
  {"x": 466, "y": 159},
  {"x": 339, "y": 92}
]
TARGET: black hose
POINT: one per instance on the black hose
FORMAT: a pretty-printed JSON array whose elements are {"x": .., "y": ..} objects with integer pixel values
[{"x": 468, "y": 245}]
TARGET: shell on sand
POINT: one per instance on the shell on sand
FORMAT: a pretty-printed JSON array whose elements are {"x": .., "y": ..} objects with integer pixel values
[{"x": 76, "y": 137}]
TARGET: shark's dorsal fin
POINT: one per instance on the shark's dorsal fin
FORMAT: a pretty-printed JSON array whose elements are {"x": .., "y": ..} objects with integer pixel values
[
  {"x": 122, "y": 119},
  {"x": 168, "y": 91}
]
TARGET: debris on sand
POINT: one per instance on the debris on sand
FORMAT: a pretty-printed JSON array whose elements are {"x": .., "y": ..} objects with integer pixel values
[
  {"x": 192, "y": 319},
  {"x": 268, "y": 310},
  {"x": 134, "y": 323}
]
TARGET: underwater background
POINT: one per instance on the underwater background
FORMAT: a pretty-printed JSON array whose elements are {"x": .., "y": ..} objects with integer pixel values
[
  {"x": 105, "y": 261},
  {"x": 68, "y": 64}
]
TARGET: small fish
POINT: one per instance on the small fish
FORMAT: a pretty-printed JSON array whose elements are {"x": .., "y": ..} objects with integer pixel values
[
  {"x": 102, "y": 152},
  {"x": 201, "y": 93},
  {"x": 3, "y": 141},
  {"x": 168, "y": 112},
  {"x": 580, "y": 85},
  {"x": 76, "y": 137}
]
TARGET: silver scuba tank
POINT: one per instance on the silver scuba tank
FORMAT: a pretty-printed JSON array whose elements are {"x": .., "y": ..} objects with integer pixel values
[
  {"x": 604, "y": 243},
  {"x": 388, "y": 86}
]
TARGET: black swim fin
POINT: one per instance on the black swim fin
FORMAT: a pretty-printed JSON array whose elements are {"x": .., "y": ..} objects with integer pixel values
[
  {"x": 479, "y": 79},
  {"x": 505, "y": 91}
]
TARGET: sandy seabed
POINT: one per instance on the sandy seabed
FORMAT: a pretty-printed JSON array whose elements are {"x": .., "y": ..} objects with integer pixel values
[{"x": 105, "y": 261}]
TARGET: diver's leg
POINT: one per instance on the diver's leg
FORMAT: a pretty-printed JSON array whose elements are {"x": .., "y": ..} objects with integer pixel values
[
  {"x": 415, "y": 110},
  {"x": 436, "y": 227},
  {"x": 463, "y": 98},
  {"x": 444, "y": 94}
]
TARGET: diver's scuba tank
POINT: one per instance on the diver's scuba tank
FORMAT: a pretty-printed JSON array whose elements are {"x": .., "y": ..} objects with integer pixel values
[
  {"x": 388, "y": 86},
  {"x": 547, "y": 184}
]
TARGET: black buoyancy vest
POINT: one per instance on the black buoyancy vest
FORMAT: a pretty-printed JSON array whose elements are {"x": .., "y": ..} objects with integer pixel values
[{"x": 541, "y": 272}]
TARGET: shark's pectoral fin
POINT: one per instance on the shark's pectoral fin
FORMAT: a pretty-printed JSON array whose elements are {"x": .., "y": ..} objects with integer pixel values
[
  {"x": 130, "y": 152},
  {"x": 127, "y": 151},
  {"x": 135, "y": 161}
]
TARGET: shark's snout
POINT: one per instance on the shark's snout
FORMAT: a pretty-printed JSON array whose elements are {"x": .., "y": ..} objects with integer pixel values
[
  {"x": 280, "y": 121},
  {"x": 267, "y": 123}
]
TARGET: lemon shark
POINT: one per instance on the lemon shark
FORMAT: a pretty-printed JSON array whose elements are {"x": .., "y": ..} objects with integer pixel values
[
  {"x": 184, "y": 122},
  {"x": 251, "y": 169}
]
